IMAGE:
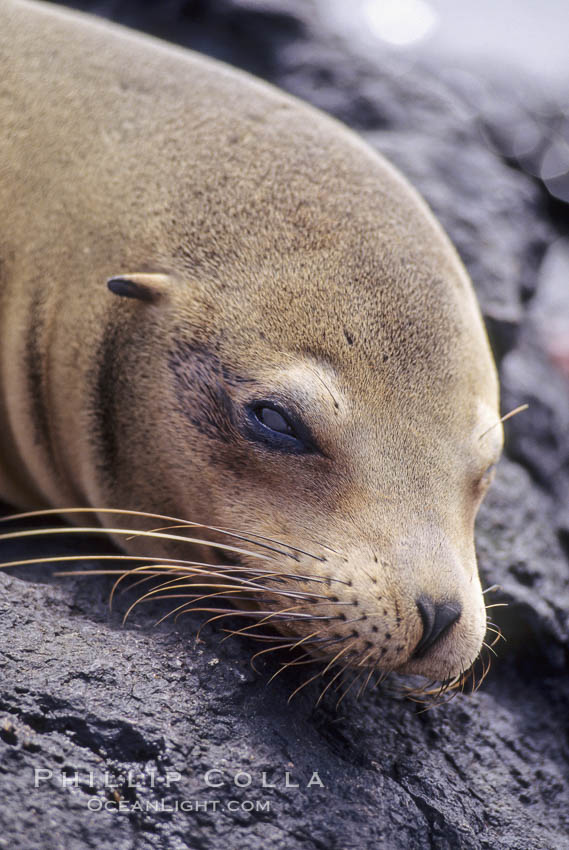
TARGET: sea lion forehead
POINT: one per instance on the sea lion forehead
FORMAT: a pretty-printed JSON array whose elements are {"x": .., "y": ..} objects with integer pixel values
[{"x": 361, "y": 318}]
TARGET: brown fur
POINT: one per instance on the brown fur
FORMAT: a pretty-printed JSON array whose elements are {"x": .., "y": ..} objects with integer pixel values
[{"x": 294, "y": 261}]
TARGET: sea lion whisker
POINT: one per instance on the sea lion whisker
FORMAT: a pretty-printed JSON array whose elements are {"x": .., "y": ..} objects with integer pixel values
[
  {"x": 360, "y": 619},
  {"x": 147, "y": 577},
  {"x": 417, "y": 690},
  {"x": 504, "y": 418},
  {"x": 294, "y": 594},
  {"x": 182, "y": 569},
  {"x": 329, "y": 641},
  {"x": 18, "y": 535},
  {"x": 176, "y": 573},
  {"x": 252, "y": 537},
  {"x": 255, "y": 585},
  {"x": 235, "y": 536},
  {"x": 167, "y": 562},
  {"x": 349, "y": 664},
  {"x": 268, "y": 649},
  {"x": 180, "y": 523},
  {"x": 304, "y": 684},
  {"x": 218, "y": 612},
  {"x": 199, "y": 597},
  {"x": 152, "y": 594},
  {"x": 474, "y": 680},
  {"x": 436, "y": 695},
  {"x": 87, "y": 510},
  {"x": 450, "y": 697},
  {"x": 224, "y": 611},
  {"x": 340, "y": 683},
  {"x": 338, "y": 655},
  {"x": 355, "y": 678},
  {"x": 183, "y": 573},
  {"x": 292, "y": 663},
  {"x": 306, "y": 659},
  {"x": 124, "y": 573},
  {"x": 272, "y": 638},
  {"x": 233, "y": 582},
  {"x": 256, "y": 573},
  {"x": 312, "y": 638},
  {"x": 493, "y": 588},
  {"x": 168, "y": 596},
  {"x": 485, "y": 670},
  {"x": 499, "y": 636},
  {"x": 134, "y": 534},
  {"x": 365, "y": 657},
  {"x": 325, "y": 385},
  {"x": 331, "y": 682},
  {"x": 278, "y": 574},
  {"x": 268, "y": 638},
  {"x": 282, "y": 616},
  {"x": 329, "y": 549},
  {"x": 289, "y": 645},
  {"x": 228, "y": 593},
  {"x": 473, "y": 677},
  {"x": 287, "y": 664},
  {"x": 189, "y": 608},
  {"x": 383, "y": 675},
  {"x": 247, "y": 631},
  {"x": 227, "y": 612},
  {"x": 249, "y": 614},
  {"x": 285, "y": 615},
  {"x": 57, "y": 558},
  {"x": 186, "y": 608},
  {"x": 366, "y": 682}
]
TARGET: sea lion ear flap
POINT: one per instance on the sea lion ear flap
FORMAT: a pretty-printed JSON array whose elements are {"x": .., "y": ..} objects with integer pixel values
[{"x": 145, "y": 287}]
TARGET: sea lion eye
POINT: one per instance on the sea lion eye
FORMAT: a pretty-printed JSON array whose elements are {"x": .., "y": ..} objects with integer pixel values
[
  {"x": 269, "y": 423},
  {"x": 274, "y": 420}
]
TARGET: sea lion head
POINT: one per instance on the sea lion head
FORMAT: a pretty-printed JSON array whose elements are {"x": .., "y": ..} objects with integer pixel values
[{"x": 317, "y": 372}]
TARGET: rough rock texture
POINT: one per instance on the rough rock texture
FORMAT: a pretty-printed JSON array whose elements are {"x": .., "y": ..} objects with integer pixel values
[{"x": 80, "y": 693}]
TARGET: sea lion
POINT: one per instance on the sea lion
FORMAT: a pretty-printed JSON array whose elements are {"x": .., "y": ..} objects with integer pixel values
[{"x": 287, "y": 342}]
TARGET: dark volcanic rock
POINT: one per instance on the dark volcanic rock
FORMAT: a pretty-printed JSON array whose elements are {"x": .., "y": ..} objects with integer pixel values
[{"x": 81, "y": 694}]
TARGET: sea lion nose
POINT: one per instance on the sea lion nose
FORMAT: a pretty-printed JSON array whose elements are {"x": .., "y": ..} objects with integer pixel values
[{"x": 437, "y": 618}]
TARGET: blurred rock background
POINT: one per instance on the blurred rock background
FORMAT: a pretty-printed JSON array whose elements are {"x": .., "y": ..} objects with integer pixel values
[{"x": 473, "y": 105}]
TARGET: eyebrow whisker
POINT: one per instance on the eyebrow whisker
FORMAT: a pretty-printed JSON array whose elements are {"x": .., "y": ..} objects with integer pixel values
[{"x": 506, "y": 416}]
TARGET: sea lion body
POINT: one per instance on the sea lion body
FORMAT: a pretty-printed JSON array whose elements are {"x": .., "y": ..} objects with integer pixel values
[{"x": 288, "y": 265}]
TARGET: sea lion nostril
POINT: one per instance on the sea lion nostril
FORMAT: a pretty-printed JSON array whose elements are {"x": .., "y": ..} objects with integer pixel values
[{"x": 437, "y": 618}]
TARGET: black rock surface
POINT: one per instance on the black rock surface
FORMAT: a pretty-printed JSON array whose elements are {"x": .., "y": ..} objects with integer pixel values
[{"x": 80, "y": 693}]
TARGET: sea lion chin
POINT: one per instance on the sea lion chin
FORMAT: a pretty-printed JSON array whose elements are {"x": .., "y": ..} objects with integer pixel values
[{"x": 219, "y": 304}]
